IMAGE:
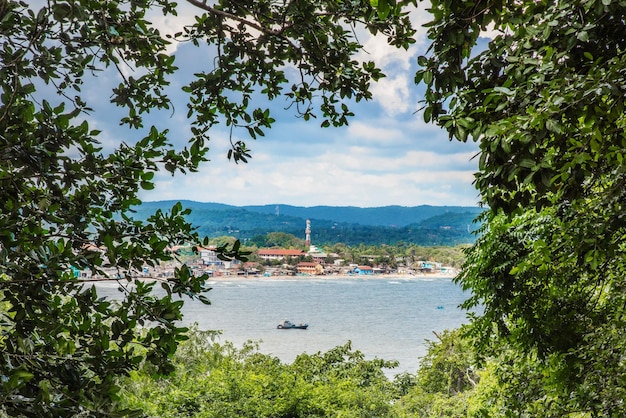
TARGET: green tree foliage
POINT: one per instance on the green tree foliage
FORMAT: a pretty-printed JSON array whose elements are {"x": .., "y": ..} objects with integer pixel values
[
  {"x": 445, "y": 380},
  {"x": 408, "y": 255},
  {"x": 545, "y": 100},
  {"x": 279, "y": 240},
  {"x": 67, "y": 198},
  {"x": 218, "y": 380},
  {"x": 425, "y": 235},
  {"x": 222, "y": 241}
]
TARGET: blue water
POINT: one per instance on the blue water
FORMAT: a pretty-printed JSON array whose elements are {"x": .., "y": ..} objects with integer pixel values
[
  {"x": 384, "y": 318},
  {"x": 388, "y": 319}
]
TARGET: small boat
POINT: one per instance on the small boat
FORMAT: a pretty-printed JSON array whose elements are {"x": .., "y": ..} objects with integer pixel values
[{"x": 290, "y": 325}]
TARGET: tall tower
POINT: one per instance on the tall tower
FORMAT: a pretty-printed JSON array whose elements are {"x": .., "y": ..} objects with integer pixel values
[{"x": 307, "y": 233}]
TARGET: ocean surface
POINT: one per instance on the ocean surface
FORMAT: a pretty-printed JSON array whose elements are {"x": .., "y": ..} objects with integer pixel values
[{"x": 388, "y": 318}]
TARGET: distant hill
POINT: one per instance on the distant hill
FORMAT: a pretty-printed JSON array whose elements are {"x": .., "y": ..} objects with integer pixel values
[
  {"x": 381, "y": 216},
  {"x": 421, "y": 225}
]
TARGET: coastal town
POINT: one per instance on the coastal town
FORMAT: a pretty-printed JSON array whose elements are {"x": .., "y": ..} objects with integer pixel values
[
  {"x": 281, "y": 262},
  {"x": 278, "y": 262},
  {"x": 274, "y": 262}
]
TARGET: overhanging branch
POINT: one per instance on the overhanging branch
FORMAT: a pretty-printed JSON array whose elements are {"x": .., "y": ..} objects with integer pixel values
[{"x": 268, "y": 31}]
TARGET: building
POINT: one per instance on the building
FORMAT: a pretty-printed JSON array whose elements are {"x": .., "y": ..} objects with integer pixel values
[
  {"x": 209, "y": 256},
  {"x": 317, "y": 254},
  {"x": 278, "y": 253},
  {"x": 309, "y": 268},
  {"x": 364, "y": 270},
  {"x": 428, "y": 266}
]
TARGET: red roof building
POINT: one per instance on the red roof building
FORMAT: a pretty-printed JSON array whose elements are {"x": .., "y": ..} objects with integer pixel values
[{"x": 278, "y": 253}]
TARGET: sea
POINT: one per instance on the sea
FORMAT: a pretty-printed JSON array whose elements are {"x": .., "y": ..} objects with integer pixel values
[{"x": 389, "y": 318}]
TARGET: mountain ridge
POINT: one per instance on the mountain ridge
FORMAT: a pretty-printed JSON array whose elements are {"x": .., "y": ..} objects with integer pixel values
[
  {"x": 351, "y": 225},
  {"x": 401, "y": 215}
]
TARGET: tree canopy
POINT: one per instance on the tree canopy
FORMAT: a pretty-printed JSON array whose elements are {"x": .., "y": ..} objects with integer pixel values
[
  {"x": 67, "y": 194},
  {"x": 218, "y": 380},
  {"x": 544, "y": 97}
]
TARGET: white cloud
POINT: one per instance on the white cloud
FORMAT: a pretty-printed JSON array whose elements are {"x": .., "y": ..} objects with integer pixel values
[
  {"x": 359, "y": 175},
  {"x": 393, "y": 94},
  {"x": 169, "y": 25},
  {"x": 376, "y": 49},
  {"x": 419, "y": 17},
  {"x": 316, "y": 183},
  {"x": 365, "y": 131}
]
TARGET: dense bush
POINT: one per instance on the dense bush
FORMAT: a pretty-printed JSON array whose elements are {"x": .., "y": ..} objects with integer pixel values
[{"x": 218, "y": 380}]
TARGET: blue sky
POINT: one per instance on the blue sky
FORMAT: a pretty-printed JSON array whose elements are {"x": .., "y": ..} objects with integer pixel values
[{"x": 386, "y": 156}]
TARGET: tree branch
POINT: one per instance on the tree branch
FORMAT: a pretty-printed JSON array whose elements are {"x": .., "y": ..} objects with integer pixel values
[{"x": 255, "y": 25}]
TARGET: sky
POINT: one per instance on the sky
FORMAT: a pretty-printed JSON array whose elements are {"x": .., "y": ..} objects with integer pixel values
[{"x": 386, "y": 156}]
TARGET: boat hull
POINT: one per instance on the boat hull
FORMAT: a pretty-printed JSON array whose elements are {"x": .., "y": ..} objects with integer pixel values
[{"x": 305, "y": 326}]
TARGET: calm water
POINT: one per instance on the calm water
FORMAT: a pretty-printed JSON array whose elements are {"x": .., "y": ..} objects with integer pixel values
[{"x": 384, "y": 318}]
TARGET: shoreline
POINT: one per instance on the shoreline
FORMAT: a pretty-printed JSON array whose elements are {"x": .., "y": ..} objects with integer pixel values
[
  {"x": 294, "y": 278},
  {"x": 238, "y": 278}
]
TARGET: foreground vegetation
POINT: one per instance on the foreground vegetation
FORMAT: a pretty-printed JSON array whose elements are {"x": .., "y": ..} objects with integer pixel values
[
  {"x": 213, "y": 380},
  {"x": 219, "y": 381}
]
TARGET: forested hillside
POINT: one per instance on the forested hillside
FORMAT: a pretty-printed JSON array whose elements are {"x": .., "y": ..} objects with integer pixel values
[
  {"x": 421, "y": 225},
  {"x": 379, "y": 216}
]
